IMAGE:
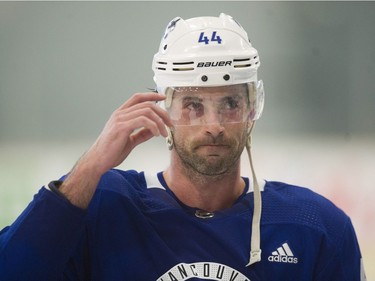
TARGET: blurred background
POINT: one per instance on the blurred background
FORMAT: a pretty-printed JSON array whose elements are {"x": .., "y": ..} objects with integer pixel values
[{"x": 65, "y": 66}]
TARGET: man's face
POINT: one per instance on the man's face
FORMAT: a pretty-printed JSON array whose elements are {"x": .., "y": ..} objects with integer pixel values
[{"x": 210, "y": 129}]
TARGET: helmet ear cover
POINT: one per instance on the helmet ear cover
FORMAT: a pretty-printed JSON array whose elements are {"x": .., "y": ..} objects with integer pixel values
[{"x": 256, "y": 98}]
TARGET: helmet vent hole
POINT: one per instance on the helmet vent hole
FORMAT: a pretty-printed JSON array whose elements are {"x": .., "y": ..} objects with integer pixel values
[
  {"x": 242, "y": 65},
  {"x": 183, "y": 66},
  {"x": 183, "y": 69},
  {"x": 165, "y": 47},
  {"x": 183, "y": 63},
  {"x": 161, "y": 65},
  {"x": 242, "y": 62}
]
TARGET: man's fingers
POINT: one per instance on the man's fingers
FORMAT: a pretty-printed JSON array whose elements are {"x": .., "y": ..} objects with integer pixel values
[
  {"x": 141, "y": 136},
  {"x": 142, "y": 97},
  {"x": 146, "y": 100},
  {"x": 128, "y": 123},
  {"x": 146, "y": 108},
  {"x": 146, "y": 114}
]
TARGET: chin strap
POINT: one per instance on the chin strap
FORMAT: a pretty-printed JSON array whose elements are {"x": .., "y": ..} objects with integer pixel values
[{"x": 255, "y": 251}]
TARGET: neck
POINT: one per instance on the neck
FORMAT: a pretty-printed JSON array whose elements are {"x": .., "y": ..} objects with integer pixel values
[{"x": 209, "y": 193}]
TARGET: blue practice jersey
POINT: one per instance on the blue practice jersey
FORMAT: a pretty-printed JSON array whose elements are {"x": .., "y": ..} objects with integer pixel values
[{"x": 136, "y": 229}]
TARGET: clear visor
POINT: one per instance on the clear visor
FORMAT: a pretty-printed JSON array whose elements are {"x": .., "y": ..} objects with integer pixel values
[{"x": 188, "y": 106}]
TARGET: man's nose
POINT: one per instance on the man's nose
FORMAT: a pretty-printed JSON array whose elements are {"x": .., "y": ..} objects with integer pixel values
[{"x": 213, "y": 122}]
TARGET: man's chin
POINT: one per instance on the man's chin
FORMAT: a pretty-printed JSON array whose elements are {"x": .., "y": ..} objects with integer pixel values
[{"x": 212, "y": 166}]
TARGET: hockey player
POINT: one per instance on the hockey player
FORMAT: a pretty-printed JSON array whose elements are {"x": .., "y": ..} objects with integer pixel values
[{"x": 198, "y": 219}]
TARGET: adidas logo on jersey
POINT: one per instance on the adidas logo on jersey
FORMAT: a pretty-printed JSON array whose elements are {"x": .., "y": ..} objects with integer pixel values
[{"x": 283, "y": 254}]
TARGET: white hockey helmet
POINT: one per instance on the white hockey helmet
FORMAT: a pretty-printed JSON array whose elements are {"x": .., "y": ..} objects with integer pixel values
[{"x": 206, "y": 52}]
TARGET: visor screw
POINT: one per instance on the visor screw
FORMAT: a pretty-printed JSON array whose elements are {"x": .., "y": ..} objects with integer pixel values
[
  {"x": 226, "y": 77},
  {"x": 204, "y": 78}
]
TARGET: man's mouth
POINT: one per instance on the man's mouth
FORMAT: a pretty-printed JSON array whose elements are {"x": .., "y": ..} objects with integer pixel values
[{"x": 212, "y": 149}]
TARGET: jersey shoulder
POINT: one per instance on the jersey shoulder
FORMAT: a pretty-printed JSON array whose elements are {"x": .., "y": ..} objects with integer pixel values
[
  {"x": 121, "y": 182},
  {"x": 142, "y": 189},
  {"x": 289, "y": 204}
]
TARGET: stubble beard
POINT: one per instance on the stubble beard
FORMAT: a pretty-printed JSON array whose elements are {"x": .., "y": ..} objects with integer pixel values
[{"x": 201, "y": 168}]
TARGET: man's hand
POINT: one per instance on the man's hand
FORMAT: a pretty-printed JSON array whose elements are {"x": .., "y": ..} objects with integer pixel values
[{"x": 135, "y": 122}]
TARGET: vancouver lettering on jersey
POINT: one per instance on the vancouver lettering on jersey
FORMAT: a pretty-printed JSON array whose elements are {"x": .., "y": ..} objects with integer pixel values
[{"x": 202, "y": 270}]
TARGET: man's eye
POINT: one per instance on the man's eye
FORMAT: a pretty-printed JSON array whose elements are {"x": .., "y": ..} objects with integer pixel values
[
  {"x": 194, "y": 106},
  {"x": 230, "y": 104}
]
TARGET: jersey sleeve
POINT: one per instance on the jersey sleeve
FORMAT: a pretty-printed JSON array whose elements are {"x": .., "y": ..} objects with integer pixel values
[
  {"x": 38, "y": 245},
  {"x": 345, "y": 261}
]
